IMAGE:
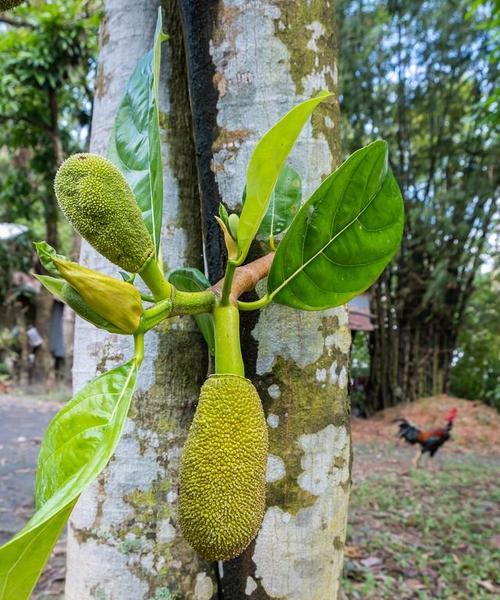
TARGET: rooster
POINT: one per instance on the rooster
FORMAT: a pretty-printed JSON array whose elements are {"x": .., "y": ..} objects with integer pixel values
[{"x": 429, "y": 441}]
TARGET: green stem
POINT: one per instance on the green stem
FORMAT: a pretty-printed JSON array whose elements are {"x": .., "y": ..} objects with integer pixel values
[
  {"x": 138, "y": 348},
  {"x": 272, "y": 244},
  {"x": 153, "y": 277},
  {"x": 147, "y": 297},
  {"x": 228, "y": 357},
  {"x": 255, "y": 304},
  {"x": 228, "y": 282},
  {"x": 183, "y": 303},
  {"x": 192, "y": 303},
  {"x": 156, "y": 314}
]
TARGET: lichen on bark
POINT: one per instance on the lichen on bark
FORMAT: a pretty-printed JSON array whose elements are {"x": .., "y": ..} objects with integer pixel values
[{"x": 307, "y": 29}]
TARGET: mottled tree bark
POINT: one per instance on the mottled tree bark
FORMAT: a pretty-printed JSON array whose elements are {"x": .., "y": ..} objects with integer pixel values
[
  {"x": 250, "y": 62},
  {"x": 123, "y": 538}
]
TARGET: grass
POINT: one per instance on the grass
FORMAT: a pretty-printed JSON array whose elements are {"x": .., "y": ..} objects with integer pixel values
[{"x": 427, "y": 535}]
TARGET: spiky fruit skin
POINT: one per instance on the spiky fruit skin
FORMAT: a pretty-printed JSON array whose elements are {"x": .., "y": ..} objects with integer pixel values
[
  {"x": 223, "y": 469},
  {"x": 98, "y": 202},
  {"x": 8, "y": 4}
]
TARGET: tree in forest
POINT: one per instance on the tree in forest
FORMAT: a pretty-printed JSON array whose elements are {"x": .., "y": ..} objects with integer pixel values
[
  {"x": 421, "y": 76},
  {"x": 46, "y": 91},
  {"x": 476, "y": 363}
]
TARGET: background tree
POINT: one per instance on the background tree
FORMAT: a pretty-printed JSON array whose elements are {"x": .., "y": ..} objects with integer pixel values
[
  {"x": 420, "y": 76},
  {"x": 246, "y": 64},
  {"x": 477, "y": 363},
  {"x": 46, "y": 88},
  {"x": 47, "y": 55}
]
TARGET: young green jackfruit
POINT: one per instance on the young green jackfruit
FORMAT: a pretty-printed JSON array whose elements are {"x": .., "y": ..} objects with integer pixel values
[
  {"x": 99, "y": 203},
  {"x": 8, "y": 4},
  {"x": 223, "y": 468}
]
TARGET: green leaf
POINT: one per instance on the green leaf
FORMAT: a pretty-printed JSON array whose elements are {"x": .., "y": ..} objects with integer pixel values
[
  {"x": 264, "y": 168},
  {"x": 23, "y": 558},
  {"x": 64, "y": 292},
  {"x": 46, "y": 254},
  {"x": 127, "y": 277},
  {"x": 135, "y": 141},
  {"x": 193, "y": 280},
  {"x": 343, "y": 237},
  {"x": 284, "y": 204},
  {"x": 223, "y": 214},
  {"x": 76, "y": 447}
]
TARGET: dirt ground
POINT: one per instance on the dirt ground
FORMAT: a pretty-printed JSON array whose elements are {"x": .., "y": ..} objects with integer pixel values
[
  {"x": 416, "y": 534},
  {"x": 412, "y": 534},
  {"x": 23, "y": 420}
]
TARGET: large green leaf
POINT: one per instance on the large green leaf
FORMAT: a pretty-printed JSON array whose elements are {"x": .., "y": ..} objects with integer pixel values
[
  {"x": 193, "y": 280},
  {"x": 77, "y": 446},
  {"x": 264, "y": 167},
  {"x": 135, "y": 141},
  {"x": 284, "y": 204},
  {"x": 343, "y": 237}
]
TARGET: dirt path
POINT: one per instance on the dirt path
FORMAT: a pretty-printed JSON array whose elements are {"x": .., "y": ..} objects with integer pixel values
[
  {"x": 23, "y": 421},
  {"x": 22, "y": 424}
]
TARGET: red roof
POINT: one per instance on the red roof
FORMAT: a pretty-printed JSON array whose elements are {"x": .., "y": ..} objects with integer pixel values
[{"x": 360, "y": 322}]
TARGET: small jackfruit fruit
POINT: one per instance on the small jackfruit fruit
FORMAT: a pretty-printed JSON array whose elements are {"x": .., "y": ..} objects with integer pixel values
[
  {"x": 223, "y": 468},
  {"x": 99, "y": 203},
  {"x": 8, "y": 4}
]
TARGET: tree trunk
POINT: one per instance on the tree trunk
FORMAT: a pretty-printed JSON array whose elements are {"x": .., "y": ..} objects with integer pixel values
[
  {"x": 422, "y": 351},
  {"x": 249, "y": 63},
  {"x": 123, "y": 539}
]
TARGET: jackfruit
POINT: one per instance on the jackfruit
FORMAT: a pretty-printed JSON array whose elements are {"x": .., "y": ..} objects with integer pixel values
[
  {"x": 99, "y": 203},
  {"x": 114, "y": 300},
  {"x": 8, "y": 4},
  {"x": 223, "y": 468}
]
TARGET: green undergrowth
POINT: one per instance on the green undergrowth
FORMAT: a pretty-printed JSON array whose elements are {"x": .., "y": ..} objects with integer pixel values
[{"x": 425, "y": 535}]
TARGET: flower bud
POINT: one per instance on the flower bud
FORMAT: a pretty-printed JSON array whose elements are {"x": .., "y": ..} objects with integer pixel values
[
  {"x": 65, "y": 293},
  {"x": 233, "y": 222},
  {"x": 231, "y": 244},
  {"x": 114, "y": 300}
]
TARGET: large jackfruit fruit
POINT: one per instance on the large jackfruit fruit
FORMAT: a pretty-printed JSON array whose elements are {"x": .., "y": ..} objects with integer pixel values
[
  {"x": 223, "y": 468},
  {"x": 8, "y": 4},
  {"x": 99, "y": 203}
]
